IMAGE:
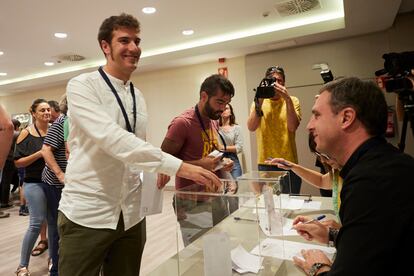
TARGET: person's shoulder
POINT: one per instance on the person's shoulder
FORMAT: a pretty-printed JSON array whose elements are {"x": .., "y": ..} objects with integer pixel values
[
  {"x": 84, "y": 78},
  {"x": 185, "y": 118},
  {"x": 23, "y": 135}
]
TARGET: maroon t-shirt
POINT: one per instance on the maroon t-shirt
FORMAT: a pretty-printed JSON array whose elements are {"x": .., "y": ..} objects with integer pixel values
[{"x": 186, "y": 129}]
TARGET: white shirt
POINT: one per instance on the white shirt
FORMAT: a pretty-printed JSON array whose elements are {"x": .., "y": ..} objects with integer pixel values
[{"x": 102, "y": 150}]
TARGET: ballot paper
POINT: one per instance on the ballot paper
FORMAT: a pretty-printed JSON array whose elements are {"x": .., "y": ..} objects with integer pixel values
[
  {"x": 217, "y": 259},
  {"x": 285, "y": 250},
  {"x": 202, "y": 220},
  {"x": 243, "y": 261},
  {"x": 214, "y": 154},
  {"x": 151, "y": 196},
  {"x": 285, "y": 202},
  {"x": 285, "y": 223}
]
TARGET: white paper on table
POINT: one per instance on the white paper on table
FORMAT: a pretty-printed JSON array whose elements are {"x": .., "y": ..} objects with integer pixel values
[
  {"x": 286, "y": 224},
  {"x": 283, "y": 249},
  {"x": 203, "y": 219},
  {"x": 285, "y": 202},
  {"x": 151, "y": 196},
  {"x": 217, "y": 259},
  {"x": 245, "y": 261},
  {"x": 312, "y": 205}
]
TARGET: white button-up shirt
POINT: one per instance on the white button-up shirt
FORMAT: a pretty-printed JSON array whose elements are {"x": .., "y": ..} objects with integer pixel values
[{"x": 101, "y": 151}]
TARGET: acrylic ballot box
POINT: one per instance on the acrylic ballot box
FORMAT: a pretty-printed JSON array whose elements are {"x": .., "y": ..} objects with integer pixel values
[{"x": 224, "y": 232}]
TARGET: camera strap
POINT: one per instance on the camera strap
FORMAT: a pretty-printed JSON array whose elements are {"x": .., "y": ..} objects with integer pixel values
[
  {"x": 118, "y": 99},
  {"x": 205, "y": 131}
]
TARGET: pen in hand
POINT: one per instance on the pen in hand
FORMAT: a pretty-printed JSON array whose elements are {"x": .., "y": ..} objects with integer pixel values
[{"x": 318, "y": 218}]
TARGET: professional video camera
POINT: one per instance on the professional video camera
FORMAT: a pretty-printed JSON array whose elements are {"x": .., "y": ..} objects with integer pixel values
[
  {"x": 397, "y": 68},
  {"x": 266, "y": 88}
]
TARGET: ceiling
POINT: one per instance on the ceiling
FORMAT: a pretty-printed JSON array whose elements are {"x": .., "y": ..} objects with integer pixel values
[{"x": 222, "y": 28}]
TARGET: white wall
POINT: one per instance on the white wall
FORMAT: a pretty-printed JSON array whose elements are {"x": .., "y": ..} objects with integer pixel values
[{"x": 359, "y": 56}]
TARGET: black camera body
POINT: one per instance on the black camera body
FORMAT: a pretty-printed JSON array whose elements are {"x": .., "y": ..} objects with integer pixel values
[
  {"x": 397, "y": 66},
  {"x": 266, "y": 88}
]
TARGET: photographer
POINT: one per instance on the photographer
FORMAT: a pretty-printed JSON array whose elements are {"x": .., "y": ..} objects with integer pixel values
[{"x": 275, "y": 120}]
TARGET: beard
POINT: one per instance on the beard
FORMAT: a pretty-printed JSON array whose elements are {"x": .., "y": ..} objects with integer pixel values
[{"x": 211, "y": 113}]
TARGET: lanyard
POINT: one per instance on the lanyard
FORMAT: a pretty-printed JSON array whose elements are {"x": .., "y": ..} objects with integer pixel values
[
  {"x": 38, "y": 132},
  {"x": 118, "y": 99},
  {"x": 204, "y": 129}
]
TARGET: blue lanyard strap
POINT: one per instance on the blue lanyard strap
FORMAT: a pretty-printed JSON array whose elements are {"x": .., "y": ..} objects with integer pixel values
[
  {"x": 118, "y": 99},
  {"x": 197, "y": 112}
]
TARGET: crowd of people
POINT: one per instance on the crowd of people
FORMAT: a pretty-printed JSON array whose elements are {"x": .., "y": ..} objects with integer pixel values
[{"x": 92, "y": 199}]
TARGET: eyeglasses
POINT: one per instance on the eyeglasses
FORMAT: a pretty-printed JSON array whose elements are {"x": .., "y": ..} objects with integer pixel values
[
  {"x": 322, "y": 155},
  {"x": 275, "y": 69}
]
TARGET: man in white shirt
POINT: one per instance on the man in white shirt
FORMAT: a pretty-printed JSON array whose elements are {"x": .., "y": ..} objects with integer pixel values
[{"x": 99, "y": 221}]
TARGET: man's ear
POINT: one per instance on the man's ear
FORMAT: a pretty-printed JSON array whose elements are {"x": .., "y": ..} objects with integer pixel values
[
  {"x": 348, "y": 117},
  {"x": 106, "y": 47},
  {"x": 203, "y": 96}
]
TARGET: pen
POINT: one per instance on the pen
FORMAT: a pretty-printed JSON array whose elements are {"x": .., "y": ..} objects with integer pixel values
[
  {"x": 246, "y": 219},
  {"x": 318, "y": 218}
]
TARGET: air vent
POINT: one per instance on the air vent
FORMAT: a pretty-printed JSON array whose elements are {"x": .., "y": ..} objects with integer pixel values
[
  {"x": 292, "y": 7},
  {"x": 70, "y": 57}
]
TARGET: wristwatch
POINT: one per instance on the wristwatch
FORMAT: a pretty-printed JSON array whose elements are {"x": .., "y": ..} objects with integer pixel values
[
  {"x": 332, "y": 234},
  {"x": 315, "y": 268}
]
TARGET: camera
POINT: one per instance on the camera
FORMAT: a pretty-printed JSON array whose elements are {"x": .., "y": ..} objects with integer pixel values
[
  {"x": 397, "y": 66},
  {"x": 327, "y": 75},
  {"x": 266, "y": 88}
]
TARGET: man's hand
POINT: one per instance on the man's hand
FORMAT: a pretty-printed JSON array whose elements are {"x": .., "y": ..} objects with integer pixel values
[
  {"x": 200, "y": 176},
  {"x": 162, "y": 180},
  {"x": 281, "y": 90},
  {"x": 330, "y": 223},
  {"x": 311, "y": 231},
  {"x": 209, "y": 162},
  {"x": 309, "y": 258},
  {"x": 227, "y": 164}
]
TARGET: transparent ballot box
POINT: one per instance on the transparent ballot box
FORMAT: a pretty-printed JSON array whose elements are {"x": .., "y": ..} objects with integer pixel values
[
  {"x": 223, "y": 232},
  {"x": 242, "y": 228}
]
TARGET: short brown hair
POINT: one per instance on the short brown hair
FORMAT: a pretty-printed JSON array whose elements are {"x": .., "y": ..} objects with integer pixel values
[{"x": 113, "y": 23}]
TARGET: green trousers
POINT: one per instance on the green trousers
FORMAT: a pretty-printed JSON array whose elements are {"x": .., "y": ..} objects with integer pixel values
[{"x": 85, "y": 251}]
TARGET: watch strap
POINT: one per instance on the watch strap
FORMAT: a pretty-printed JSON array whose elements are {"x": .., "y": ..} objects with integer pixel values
[{"x": 315, "y": 268}]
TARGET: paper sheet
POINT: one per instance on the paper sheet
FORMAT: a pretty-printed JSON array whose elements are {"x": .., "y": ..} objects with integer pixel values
[
  {"x": 244, "y": 262},
  {"x": 203, "y": 219},
  {"x": 286, "y": 226},
  {"x": 287, "y": 249},
  {"x": 151, "y": 196}
]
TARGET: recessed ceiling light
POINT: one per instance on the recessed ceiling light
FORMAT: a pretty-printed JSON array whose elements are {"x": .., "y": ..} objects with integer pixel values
[
  {"x": 3, "y": 74},
  {"x": 1, "y": 53},
  {"x": 149, "y": 10},
  {"x": 61, "y": 35},
  {"x": 49, "y": 63},
  {"x": 188, "y": 32}
]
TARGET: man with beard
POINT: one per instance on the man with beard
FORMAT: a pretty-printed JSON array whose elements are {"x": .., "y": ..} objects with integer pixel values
[
  {"x": 100, "y": 226},
  {"x": 193, "y": 135}
]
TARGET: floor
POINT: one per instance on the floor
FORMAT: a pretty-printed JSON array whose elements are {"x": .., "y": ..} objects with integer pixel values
[{"x": 161, "y": 240}]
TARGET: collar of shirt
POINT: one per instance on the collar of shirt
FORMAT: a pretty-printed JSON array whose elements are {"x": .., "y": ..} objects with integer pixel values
[{"x": 359, "y": 152}]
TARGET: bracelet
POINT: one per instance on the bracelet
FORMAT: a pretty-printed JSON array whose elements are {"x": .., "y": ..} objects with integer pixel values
[
  {"x": 315, "y": 268},
  {"x": 332, "y": 234}
]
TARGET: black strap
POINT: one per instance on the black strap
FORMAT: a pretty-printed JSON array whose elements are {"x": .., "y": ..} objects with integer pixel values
[
  {"x": 204, "y": 129},
  {"x": 118, "y": 99},
  {"x": 38, "y": 132}
]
